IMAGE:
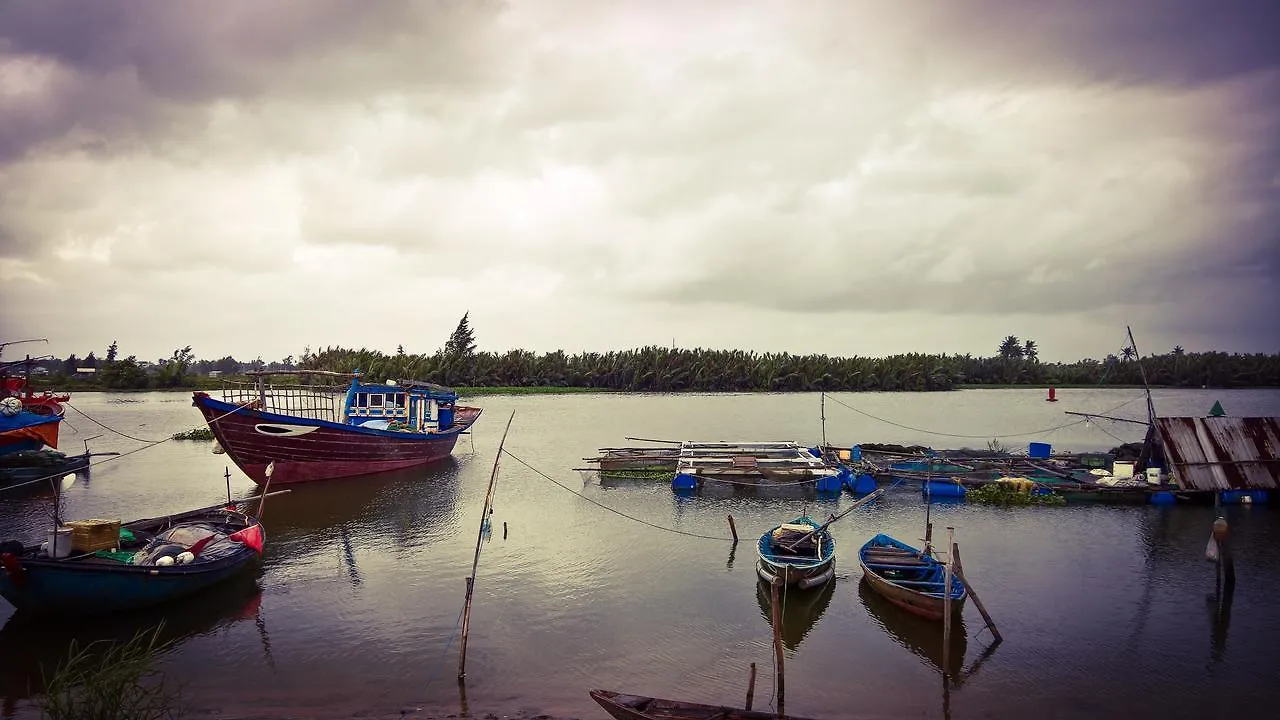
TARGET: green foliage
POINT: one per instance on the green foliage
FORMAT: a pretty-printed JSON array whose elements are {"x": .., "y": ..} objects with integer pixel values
[
  {"x": 124, "y": 375},
  {"x": 173, "y": 372},
  {"x": 462, "y": 343},
  {"x": 1005, "y": 493},
  {"x": 110, "y": 681},
  {"x": 200, "y": 433},
  {"x": 112, "y": 350}
]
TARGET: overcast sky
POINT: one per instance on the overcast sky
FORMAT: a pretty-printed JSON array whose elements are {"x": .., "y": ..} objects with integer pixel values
[{"x": 845, "y": 177}]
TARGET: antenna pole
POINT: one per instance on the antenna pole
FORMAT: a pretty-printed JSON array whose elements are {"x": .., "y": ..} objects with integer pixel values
[
  {"x": 1151, "y": 408},
  {"x": 824, "y": 421}
]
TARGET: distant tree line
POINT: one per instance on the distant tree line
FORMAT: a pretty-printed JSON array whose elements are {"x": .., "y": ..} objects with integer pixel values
[
  {"x": 129, "y": 373},
  {"x": 660, "y": 369}
]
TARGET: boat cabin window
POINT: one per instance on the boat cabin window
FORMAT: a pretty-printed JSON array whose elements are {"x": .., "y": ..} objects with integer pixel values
[
  {"x": 375, "y": 401},
  {"x": 395, "y": 400},
  {"x": 362, "y": 400}
]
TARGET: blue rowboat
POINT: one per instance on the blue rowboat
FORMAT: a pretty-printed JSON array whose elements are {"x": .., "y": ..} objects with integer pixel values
[
  {"x": 155, "y": 561},
  {"x": 909, "y": 578},
  {"x": 801, "y": 552}
]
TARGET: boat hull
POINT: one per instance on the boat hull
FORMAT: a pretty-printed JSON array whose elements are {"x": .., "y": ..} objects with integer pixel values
[
  {"x": 925, "y": 604},
  {"x": 307, "y": 450},
  {"x": 87, "y": 585},
  {"x": 638, "y": 707},
  {"x": 60, "y": 588}
]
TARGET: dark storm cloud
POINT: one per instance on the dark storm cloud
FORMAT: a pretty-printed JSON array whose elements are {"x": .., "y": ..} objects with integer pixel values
[{"x": 124, "y": 68}]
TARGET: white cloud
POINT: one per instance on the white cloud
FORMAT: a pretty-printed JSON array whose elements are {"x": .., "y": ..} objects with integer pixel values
[{"x": 608, "y": 175}]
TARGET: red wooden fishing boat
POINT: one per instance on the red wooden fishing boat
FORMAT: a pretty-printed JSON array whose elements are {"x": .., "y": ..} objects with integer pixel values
[{"x": 312, "y": 432}]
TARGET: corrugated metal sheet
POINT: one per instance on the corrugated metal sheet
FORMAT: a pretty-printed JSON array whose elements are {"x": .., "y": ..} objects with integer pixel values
[{"x": 1222, "y": 453}]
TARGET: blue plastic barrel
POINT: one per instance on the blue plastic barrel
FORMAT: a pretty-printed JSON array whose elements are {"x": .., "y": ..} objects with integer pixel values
[
  {"x": 944, "y": 488},
  {"x": 1164, "y": 497},
  {"x": 1039, "y": 450},
  {"x": 863, "y": 484},
  {"x": 684, "y": 481}
]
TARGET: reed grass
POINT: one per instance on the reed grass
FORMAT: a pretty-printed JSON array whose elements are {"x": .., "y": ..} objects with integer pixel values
[{"x": 115, "y": 682}]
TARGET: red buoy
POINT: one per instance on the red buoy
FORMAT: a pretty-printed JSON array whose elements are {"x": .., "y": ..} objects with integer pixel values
[{"x": 1051, "y": 397}]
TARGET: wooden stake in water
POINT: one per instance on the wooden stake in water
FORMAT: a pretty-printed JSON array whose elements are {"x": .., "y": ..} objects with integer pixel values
[
  {"x": 471, "y": 580},
  {"x": 227, "y": 474},
  {"x": 959, "y": 571},
  {"x": 776, "y": 611},
  {"x": 733, "y": 529},
  {"x": 824, "y": 422},
  {"x": 946, "y": 609},
  {"x": 751, "y": 686}
]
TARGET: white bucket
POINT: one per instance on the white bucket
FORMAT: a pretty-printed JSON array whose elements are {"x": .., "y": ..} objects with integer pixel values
[
  {"x": 1153, "y": 475},
  {"x": 59, "y": 542}
]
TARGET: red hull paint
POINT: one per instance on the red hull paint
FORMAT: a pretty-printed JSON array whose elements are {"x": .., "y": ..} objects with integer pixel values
[{"x": 325, "y": 453}]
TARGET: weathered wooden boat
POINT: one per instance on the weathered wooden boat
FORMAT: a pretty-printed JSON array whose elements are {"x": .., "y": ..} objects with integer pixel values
[
  {"x": 15, "y": 381},
  {"x": 311, "y": 435},
  {"x": 909, "y": 578},
  {"x": 640, "y": 707},
  {"x": 153, "y": 561},
  {"x": 32, "y": 466},
  {"x": 802, "y": 553}
]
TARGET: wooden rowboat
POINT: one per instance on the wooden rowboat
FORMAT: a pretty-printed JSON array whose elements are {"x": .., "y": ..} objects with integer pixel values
[
  {"x": 639, "y": 707},
  {"x": 909, "y": 578},
  {"x": 802, "y": 553}
]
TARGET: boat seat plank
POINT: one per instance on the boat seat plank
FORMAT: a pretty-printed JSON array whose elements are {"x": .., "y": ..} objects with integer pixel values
[{"x": 875, "y": 563}]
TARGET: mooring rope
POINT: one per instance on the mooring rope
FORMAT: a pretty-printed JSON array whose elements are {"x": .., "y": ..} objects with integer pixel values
[
  {"x": 149, "y": 444},
  {"x": 567, "y": 489},
  {"x": 111, "y": 429}
]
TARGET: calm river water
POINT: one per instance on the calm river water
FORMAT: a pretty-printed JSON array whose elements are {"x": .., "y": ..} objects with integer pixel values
[{"x": 1106, "y": 611}]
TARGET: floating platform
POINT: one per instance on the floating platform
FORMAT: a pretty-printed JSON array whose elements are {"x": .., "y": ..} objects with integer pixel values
[{"x": 747, "y": 463}]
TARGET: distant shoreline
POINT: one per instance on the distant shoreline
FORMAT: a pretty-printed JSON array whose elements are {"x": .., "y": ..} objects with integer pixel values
[{"x": 464, "y": 391}]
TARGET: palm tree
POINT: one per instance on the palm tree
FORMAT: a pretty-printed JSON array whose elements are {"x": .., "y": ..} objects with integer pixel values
[
  {"x": 1029, "y": 351},
  {"x": 1011, "y": 348}
]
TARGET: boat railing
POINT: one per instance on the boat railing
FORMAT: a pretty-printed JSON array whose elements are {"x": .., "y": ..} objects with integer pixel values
[{"x": 317, "y": 402}]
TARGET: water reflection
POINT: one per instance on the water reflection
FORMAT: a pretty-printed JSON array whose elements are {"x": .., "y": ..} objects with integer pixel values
[
  {"x": 800, "y": 610},
  {"x": 404, "y": 508},
  {"x": 922, "y": 637},
  {"x": 31, "y": 647}
]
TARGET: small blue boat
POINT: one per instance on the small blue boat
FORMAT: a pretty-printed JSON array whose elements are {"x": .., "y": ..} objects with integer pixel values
[
  {"x": 912, "y": 579},
  {"x": 801, "y": 552},
  {"x": 154, "y": 561}
]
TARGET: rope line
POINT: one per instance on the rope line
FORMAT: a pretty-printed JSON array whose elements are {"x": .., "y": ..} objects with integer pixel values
[
  {"x": 978, "y": 437},
  {"x": 150, "y": 444},
  {"x": 606, "y": 507},
  {"x": 431, "y": 676},
  {"x": 111, "y": 429}
]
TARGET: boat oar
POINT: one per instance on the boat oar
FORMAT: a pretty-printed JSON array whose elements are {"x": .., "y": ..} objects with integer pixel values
[{"x": 822, "y": 528}]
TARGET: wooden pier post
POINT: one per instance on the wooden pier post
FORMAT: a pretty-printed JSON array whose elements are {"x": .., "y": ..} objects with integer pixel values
[
  {"x": 959, "y": 570},
  {"x": 751, "y": 686},
  {"x": 946, "y": 608},
  {"x": 776, "y": 603},
  {"x": 1226, "y": 566},
  {"x": 733, "y": 529}
]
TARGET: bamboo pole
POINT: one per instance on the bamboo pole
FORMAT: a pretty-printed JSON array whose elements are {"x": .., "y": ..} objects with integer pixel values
[
  {"x": 751, "y": 686},
  {"x": 733, "y": 529},
  {"x": 471, "y": 579},
  {"x": 946, "y": 609},
  {"x": 776, "y": 608},
  {"x": 821, "y": 528},
  {"x": 959, "y": 570}
]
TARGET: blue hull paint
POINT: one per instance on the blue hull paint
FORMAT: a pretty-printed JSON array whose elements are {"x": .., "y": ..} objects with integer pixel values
[{"x": 70, "y": 588}]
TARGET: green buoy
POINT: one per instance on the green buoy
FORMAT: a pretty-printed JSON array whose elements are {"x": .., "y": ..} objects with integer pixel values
[{"x": 1217, "y": 410}]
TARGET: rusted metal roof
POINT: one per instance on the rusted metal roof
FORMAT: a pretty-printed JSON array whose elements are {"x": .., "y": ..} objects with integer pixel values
[{"x": 1222, "y": 453}]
